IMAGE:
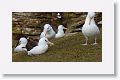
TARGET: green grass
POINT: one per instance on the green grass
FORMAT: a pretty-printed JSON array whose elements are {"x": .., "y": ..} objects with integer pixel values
[{"x": 66, "y": 49}]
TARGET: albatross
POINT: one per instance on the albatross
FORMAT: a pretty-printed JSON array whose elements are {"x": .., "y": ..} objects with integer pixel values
[
  {"x": 41, "y": 48},
  {"x": 48, "y": 32},
  {"x": 22, "y": 45},
  {"x": 90, "y": 28},
  {"x": 60, "y": 32}
]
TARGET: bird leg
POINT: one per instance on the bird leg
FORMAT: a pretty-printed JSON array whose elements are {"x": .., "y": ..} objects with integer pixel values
[
  {"x": 86, "y": 40},
  {"x": 95, "y": 41}
]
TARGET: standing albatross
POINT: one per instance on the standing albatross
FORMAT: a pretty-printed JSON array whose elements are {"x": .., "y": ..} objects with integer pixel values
[{"x": 90, "y": 28}]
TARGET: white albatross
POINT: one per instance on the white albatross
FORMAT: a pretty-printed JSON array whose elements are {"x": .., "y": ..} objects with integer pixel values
[
  {"x": 90, "y": 28},
  {"x": 48, "y": 32},
  {"x": 22, "y": 45},
  {"x": 60, "y": 32},
  {"x": 41, "y": 48}
]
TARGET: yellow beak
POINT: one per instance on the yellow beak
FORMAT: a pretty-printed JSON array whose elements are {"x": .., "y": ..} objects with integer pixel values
[{"x": 51, "y": 44}]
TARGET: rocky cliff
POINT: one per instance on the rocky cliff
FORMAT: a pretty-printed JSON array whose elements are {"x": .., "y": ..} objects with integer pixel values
[{"x": 31, "y": 23}]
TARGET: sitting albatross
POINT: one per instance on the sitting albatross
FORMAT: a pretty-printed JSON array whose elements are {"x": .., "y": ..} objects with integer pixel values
[
  {"x": 41, "y": 48},
  {"x": 22, "y": 45},
  {"x": 48, "y": 32},
  {"x": 60, "y": 32}
]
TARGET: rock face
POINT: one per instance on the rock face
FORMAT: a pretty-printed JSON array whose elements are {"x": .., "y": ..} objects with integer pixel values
[{"x": 31, "y": 23}]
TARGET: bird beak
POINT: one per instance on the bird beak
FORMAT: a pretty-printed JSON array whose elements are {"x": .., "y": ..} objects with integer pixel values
[
  {"x": 65, "y": 28},
  {"x": 90, "y": 20},
  {"x": 51, "y": 44},
  {"x": 45, "y": 31}
]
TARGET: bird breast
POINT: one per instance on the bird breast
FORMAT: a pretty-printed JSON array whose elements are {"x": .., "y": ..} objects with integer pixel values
[
  {"x": 60, "y": 34},
  {"x": 50, "y": 34},
  {"x": 90, "y": 30}
]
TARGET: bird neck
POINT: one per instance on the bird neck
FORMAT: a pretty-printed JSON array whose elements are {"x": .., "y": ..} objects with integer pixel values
[
  {"x": 87, "y": 20},
  {"x": 92, "y": 21},
  {"x": 61, "y": 31},
  {"x": 23, "y": 45},
  {"x": 50, "y": 31}
]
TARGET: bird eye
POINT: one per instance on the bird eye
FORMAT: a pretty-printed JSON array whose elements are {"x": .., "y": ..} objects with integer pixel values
[{"x": 45, "y": 40}]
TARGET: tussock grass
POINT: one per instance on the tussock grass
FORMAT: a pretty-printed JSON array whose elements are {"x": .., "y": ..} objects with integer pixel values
[{"x": 66, "y": 49}]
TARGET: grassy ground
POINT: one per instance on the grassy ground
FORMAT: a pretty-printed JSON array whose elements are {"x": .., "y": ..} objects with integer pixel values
[{"x": 66, "y": 49}]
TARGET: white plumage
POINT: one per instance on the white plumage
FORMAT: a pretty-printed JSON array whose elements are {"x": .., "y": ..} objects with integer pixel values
[
  {"x": 22, "y": 47},
  {"x": 48, "y": 32},
  {"x": 41, "y": 48},
  {"x": 60, "y": 32},
  {"x": 42, "y": 34},
  {"x": 90, "y": 28}
]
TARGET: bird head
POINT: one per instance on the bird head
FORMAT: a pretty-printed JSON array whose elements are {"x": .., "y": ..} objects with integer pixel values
[
  {"x": 91, "y": 15},
  {"x": 23, "y": 40},
  {"x": 44, "y": 41},
  {"x": 61, "y": 27},
  {"x": 47, "y": 28}
]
